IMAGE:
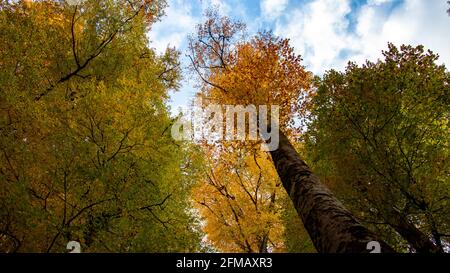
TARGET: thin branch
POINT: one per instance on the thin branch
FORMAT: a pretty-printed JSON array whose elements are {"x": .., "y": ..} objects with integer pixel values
[
  {"x": 74, "y": 51},
  {"x": 160, "y": 204},
  {"x": 96, "y": 53},
  {"x": 203, "y": 78}
]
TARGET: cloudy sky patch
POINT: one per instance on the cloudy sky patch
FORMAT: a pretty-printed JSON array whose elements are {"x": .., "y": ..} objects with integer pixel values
[{"x": 327, "y": 33}]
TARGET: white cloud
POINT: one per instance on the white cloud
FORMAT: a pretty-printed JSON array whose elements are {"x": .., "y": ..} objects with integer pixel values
[
  {"x": 378, "y": 2},
  {"x": 320, "y": 30},
  {"x": 181, "y": 19},
  {"x": 173, "y": 28},
  {"x": 414, "y": 22},
  {"x": 421, "y": 22},
  {"x": 273, "y": 8},
  {"x": 221, "y": 5}
]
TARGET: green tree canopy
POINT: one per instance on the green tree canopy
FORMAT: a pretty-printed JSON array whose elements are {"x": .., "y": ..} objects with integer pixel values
[
  {"x": 84, "y": 151},
  {"x": 379, "y": 137}
]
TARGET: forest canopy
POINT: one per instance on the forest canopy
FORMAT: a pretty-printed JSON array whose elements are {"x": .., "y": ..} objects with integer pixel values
[{"x": 87, "y": 154}]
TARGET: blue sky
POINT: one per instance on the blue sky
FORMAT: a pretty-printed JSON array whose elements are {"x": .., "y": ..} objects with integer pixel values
[{"x": 327, "y": 33}]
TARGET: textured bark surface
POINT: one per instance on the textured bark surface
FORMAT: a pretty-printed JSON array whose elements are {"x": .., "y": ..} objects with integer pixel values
[{"x": 332, "y": 228}]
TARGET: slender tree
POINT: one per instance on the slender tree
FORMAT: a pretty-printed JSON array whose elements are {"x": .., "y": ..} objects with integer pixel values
[{"x": 265, "y": 71}]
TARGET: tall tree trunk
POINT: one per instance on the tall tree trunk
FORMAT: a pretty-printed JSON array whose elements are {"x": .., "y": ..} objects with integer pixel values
[{"x": 332, "y": 228}]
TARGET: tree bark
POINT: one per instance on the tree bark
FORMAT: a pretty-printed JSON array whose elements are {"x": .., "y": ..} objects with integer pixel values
[{"x": 331, "y": 227}]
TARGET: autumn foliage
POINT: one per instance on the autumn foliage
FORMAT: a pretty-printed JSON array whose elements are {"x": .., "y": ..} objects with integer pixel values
[{"x": 86, "y": 153}]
